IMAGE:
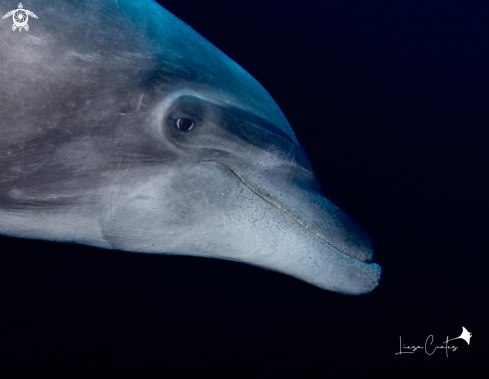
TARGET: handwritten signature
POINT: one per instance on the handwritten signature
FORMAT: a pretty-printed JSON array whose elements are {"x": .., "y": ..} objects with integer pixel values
[{"x": 429, "y": 342}]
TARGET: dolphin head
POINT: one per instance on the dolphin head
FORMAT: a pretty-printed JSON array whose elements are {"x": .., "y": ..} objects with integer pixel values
[{"x": 125, "y": 129}]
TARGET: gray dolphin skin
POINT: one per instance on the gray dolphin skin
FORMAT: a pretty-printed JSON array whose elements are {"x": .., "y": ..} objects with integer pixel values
[{"x": 123, "y": 128}]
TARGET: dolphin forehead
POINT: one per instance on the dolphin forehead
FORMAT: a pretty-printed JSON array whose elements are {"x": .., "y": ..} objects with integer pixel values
[
  {"x": 141, "y": 39},
  {"x": 98, "y": 58}
]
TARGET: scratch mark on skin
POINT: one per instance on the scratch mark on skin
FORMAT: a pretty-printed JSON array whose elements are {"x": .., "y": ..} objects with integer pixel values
[
  {"x": 110, "y": 203},
  {"x": 120, "y": 164},
  {"x": 139, "y": 102},
  {"x": 74, "y": 234},
  {"x": 273, "y": 251}
]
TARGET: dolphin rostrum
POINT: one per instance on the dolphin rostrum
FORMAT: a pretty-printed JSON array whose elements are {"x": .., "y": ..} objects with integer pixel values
[{"x": 123, "y": 128}]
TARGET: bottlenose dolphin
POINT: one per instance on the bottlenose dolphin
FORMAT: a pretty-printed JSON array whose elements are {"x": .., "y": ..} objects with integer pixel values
[{"x": 123, "y": 128}]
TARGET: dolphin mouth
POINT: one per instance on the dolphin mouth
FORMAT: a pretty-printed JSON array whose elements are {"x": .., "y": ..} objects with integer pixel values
[{"x": 365, "y": 256}]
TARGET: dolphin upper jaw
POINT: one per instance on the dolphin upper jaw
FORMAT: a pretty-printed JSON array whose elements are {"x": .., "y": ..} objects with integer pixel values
[{"x": 362, "y": 252}]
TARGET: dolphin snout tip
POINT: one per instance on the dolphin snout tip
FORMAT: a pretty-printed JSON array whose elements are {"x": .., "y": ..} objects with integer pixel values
[
  {"x": 377, "y": 275},
  {"x": 369, "y": 278}
]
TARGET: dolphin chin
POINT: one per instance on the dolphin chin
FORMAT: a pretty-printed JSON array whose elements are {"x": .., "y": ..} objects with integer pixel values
[{"x": 129, "y": 131}]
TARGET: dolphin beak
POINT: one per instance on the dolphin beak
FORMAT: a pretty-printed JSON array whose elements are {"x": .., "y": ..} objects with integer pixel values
[
  {"x": 333, "y": 251},
  {"x": 318, "y": 215},
  {"x": 342, "y": 244}
]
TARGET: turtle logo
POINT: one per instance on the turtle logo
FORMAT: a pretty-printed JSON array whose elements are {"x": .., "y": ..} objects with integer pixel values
[{"x": 20, "y": 17}]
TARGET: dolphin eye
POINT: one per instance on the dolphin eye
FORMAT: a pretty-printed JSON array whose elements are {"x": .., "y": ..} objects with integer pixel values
[{"x": 184, "y": 124}]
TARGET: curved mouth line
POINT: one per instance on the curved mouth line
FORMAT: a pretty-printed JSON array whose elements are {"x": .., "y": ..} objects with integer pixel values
[{"x": 289, "y": 214}]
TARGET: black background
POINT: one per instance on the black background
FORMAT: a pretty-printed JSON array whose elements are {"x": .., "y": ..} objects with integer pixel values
[{"x": 390, "y": 100}]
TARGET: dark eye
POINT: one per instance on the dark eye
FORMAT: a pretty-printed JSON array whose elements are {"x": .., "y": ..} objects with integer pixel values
[{"x": 184, "y": 124}]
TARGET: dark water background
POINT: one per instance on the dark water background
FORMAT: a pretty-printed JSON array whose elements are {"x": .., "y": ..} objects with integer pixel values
[{"x": 390, "y": 100}]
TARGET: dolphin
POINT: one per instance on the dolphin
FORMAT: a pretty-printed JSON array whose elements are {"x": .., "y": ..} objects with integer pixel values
[{"x": 123, "y": 128}]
